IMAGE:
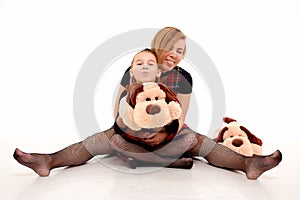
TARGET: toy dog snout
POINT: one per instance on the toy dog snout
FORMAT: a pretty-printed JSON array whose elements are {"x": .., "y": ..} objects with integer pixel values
[
  {"x": 152, "y": 109},
  {"x": 237, "y": 142}
]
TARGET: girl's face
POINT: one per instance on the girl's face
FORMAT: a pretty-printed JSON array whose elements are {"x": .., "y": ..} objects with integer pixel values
[
  {"x": 144, "y": 67},
  {"x": 171, "y": 58}
]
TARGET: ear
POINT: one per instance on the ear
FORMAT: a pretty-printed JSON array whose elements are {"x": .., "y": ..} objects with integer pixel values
[
  {"x": 132, "y": 91},
  {"x": 228, "y": 120},
  {"x": 170, "y": 96},
  {"x": 130, "y": 72},
  {"x": 221, "y": 134},
  {"x": 252, "y": 138}
]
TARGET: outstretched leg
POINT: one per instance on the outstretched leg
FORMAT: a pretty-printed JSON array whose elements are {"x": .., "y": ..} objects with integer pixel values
[
  {"x": 73, "y": 155},
  {"x": 221, "y": 156}
]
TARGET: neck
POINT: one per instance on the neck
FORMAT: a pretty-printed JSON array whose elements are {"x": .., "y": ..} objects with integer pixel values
[{"x": 166, "y": 70}]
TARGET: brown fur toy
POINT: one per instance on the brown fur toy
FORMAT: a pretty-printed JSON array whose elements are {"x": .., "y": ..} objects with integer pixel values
[
  {"x": 148, "y": 105},
  {"x": 147, "y": 108},
  {"x": 239, "y": 139}
]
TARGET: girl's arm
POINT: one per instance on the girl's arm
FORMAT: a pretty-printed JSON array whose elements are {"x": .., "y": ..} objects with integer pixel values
[{"x": 116, "y": 109}]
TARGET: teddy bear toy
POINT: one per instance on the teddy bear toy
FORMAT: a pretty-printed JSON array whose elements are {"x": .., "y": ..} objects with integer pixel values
[{"x": 239, "y": 139}]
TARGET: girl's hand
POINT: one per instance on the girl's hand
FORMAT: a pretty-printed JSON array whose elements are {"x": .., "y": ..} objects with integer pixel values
[{"x": 156, "y": 138}]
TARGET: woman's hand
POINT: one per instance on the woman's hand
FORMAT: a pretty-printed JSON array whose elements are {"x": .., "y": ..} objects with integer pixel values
[{"x": 156, "y": 138}]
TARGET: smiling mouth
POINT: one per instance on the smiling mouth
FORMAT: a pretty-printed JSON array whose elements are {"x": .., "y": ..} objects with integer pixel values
[{"x": 170, "y": 61}]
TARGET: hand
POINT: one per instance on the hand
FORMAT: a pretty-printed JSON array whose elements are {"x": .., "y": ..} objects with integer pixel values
[{"x": 156, "y": 138}]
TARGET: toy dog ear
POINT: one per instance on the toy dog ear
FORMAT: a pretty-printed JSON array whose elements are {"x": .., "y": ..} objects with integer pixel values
[
  {"x": 228, "y": 120},
  {"x": 252, "y": 138},
  {"x": 132, "y": 91},
  {"x": 221, "y": 134},
  {"x": 170, "y": 96}
]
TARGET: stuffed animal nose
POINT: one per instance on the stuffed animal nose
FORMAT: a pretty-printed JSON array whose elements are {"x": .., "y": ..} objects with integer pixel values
[
  {"x": 152, "y": 109},
  {"x": 237, "y": 142}
]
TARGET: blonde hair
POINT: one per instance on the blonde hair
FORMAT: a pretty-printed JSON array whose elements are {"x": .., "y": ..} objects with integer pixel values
[{"x": 165, "y": 39}]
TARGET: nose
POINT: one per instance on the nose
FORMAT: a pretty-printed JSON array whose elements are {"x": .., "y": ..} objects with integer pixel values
[
  {"x": 172, "y": 54},
  {"x": 152, "y": 109},
  {"x": 237, "y": 142},
  {"x": 145, "y": 66}
]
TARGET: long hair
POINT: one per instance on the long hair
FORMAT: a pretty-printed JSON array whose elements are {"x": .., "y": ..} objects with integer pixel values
[{"x": 164, "y": 41}]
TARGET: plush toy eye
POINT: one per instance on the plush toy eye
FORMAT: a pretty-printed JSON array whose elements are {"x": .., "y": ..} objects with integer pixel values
[
  {"x": 156, "y": 98},
  {"x": 148, "y": 99},
  {"x": 231, "y": 136}
]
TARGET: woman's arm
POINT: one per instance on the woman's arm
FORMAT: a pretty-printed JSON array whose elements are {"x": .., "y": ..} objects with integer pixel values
[
  {"x": 121, "y": 89},
  {"x": 184, "y": 100}
]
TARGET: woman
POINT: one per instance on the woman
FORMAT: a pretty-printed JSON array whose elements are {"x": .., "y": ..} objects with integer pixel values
[{"x": 169, "y": 44}]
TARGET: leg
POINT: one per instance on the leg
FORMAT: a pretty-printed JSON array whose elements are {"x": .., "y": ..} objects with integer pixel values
[
  {"x": 128, "y": 149},
  {"x": 179, "y": 145},
  {"x": 73, "y": 155},
  {"x": 221, "y": 156}
]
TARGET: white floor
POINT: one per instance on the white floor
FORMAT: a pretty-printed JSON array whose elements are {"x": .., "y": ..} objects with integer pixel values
[{"x": 95, "y": 180}]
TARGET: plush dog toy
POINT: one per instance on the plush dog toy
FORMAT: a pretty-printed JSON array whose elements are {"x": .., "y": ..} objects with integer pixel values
[
  {"x": 239, "y": 139},
  {"x": 149, "y": 106}
]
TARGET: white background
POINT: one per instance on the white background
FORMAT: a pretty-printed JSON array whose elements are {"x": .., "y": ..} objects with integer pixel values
[{"x": 255, "y": 46}]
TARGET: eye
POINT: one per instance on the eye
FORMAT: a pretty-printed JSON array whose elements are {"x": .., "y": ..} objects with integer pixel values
[
  {"x": 139, "y": 63},
  {"x": 148, "y": 99},
  {"x": 180, "y": 51},
  {"x": 231, "y": 136},
  {"x": 151, "y": 63},
  {"x": 156, "y": 98}
]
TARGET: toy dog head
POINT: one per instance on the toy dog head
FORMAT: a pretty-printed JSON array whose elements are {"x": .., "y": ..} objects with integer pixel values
[
  {"x": 148, "y": 105},
  {"x": 239, "y": 138}
]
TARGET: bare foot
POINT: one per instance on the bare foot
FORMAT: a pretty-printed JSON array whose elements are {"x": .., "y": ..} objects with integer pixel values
[
  {"x": 184, "y": 163},
  {"x": 37, "y": 162},
  {"x": 258, "y": 165}
]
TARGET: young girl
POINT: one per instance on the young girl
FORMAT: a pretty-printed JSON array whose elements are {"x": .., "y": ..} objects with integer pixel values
[{"x": 144, "y": 68}]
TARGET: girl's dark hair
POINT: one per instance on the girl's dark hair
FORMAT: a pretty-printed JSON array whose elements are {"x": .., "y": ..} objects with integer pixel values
[{"x": 144, "y": 50}]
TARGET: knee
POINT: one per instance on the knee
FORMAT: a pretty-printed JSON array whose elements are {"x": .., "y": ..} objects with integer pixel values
[
  {"x": 118, "y": 143},
  {"x": 190, "y": 140}
]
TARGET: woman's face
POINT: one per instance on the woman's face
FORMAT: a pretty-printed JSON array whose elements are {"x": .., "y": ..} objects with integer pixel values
[
  {"x": 171, "y": 58},
  {"x": 144, "y": 67}
]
